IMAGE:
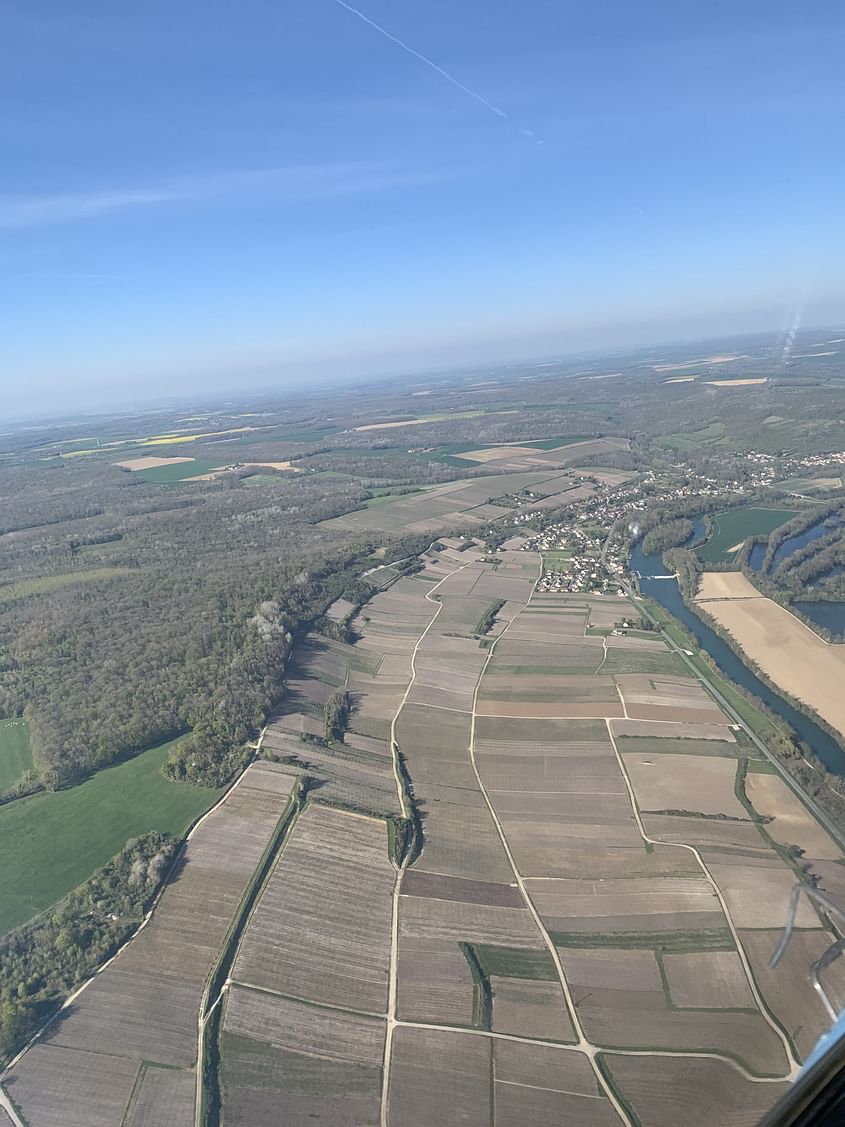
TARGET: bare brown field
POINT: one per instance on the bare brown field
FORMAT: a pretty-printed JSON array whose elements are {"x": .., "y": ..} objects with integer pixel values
[
  {"x": 725, "y": 585},
  {"x": 666, "y": 1091},
  {"x": 150, "y": 463},
  {"x": 736, "y": 383},
  {"x": 275, "y": 466},
  {"x": 264, "y": 1085},
  {"x": 544, "y": 1065},
  {"x": 599, "y": 862},
  {"x": 300, "y": 1028},
  {"x": 164, "y": 1095},
  {"x": 433, "y": 886},
  {"x": 571, "y": 689},
  {"x": 285, "y": 1062},
  {"x": 72, "y": 1088},
  {"x": 321, "y": 928},
  {"x": 520, "y": 1106},
  {"x": 540, "y": 843},
  {"x": 707, "y": 980},
  {"x": 792, "y": 655},
  {"x": 340, "y": 610},
  {"x": 792, "y": 823},
  {"x": 685, "y": 782},
  {"x": 581, "y": 806},
  {"x": 461, "y": 840},
  {"x": 613, "y": 969},
  {"x": 137, "y": 1016},
  {"x": 633, "y": 904},
  {"x": 433, "y": 1073},
  {"x": 668, "y": 712},
  {"x": 448, "y": 920},
  {"x": 538, "y": 1086},
  {"x": 435, "y": 981},
  {"x": 759, "y": 897},
  {"x": 540, "y": 710},
  {"x": 787, "y": 988},
  {"x": 634, "y": 1020},
  {"x": 530, "y": 1008}
]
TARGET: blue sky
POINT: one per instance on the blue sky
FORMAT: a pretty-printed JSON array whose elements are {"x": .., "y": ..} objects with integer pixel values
[{"x": 206, "y": 194}]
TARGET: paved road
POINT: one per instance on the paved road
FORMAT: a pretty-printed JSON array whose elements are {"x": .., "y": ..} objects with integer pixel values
[{"x": 397, "y": 888}]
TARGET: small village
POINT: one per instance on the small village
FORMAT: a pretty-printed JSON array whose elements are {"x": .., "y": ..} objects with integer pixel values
[{"x": 580, "y": 555}]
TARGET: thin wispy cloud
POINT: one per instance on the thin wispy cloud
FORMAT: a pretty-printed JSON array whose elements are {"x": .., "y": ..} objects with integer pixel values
[
  {"x": 529, "y": 134},
  {"x": 297, "y": 182}
]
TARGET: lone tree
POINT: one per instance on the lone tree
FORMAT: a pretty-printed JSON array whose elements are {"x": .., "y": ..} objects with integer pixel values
[{"x": 338, "y": 708}]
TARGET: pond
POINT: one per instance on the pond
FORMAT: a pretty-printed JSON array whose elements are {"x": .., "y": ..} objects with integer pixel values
[{"x": 829, "y": 615}]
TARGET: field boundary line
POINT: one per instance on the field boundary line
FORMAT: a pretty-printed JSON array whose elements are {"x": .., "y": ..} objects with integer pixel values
[
  {"x": 543, "y": 1088},
  {"x": 765, "y": 1012}
]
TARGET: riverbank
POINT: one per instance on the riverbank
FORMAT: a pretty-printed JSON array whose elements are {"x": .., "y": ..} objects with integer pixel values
[{"x": 791, "y": 655}]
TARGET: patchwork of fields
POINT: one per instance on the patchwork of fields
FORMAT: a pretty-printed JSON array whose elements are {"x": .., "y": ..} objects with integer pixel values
[
  {"x": 468, "y": 502},
  {"x": 536, "y": 880}
]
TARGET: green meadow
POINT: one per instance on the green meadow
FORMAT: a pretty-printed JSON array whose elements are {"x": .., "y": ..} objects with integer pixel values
[
  {"x": 52, "y": 842},
  {"x": 15, "y": 753}
]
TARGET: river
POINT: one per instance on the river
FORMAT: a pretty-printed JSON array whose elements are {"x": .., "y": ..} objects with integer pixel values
[{"x": 667, "y": 593}]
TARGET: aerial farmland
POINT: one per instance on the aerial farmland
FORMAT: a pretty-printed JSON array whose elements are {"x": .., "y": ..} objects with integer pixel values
[{"x": 537, "y": 868}]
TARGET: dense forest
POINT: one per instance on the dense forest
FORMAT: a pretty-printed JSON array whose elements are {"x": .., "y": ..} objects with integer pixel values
[{"x": 189, "y": 628}]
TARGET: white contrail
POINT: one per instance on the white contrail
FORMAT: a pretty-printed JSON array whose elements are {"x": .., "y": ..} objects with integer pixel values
[
  {"x": 528, "y": 133},
  {"x": 790, "y": 336}
]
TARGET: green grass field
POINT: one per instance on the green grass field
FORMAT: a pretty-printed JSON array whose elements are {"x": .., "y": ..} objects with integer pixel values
[
  {"x": 735, "y": 526},
  {"x": 715, "y": 434},
  {"x": 559, "y": 442},
  {"x": 15, "y": 753},
  {"x": 180, "y": 471},
  {"x": 44, "y": 584},
  {"x": 51, "y": 843},
  {"x": 559, "y": 559}
]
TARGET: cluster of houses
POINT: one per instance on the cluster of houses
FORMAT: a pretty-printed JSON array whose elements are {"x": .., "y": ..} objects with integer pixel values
[{"x": 597, "y": 564}]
